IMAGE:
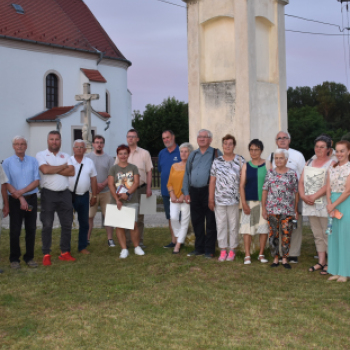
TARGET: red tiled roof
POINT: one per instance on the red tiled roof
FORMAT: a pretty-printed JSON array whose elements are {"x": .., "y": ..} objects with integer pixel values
[
  {"x": 104, "y": 114},
  {"x": 68, "y": 23},
  {"x": 51, "y": 114},
  {"x": 94, "y": 75}
]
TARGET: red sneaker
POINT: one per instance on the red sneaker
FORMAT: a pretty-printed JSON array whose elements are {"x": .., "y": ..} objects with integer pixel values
[
  {"x": 66, "y": 257},
  {"x": 47, "y": 260}
]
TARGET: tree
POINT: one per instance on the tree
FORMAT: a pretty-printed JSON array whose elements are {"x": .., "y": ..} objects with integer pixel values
[{"x": 170, "y": 114}]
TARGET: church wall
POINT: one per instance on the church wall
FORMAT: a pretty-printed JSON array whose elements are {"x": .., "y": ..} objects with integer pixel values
[{"x": 22, "y": 91}]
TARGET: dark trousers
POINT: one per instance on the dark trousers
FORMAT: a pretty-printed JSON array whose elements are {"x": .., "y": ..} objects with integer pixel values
[
  {"x": 81, "y": 205},
  {"x": 16, "y": 219},
  {"x": 202, "y": 216},
  {"x": 61, "y": 202}
]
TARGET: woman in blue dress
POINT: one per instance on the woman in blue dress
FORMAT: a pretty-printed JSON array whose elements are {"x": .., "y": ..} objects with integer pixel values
[{"x": 338, "y": 192}]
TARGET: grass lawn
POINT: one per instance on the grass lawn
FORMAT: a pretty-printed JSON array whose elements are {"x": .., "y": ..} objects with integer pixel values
[{"x": 161, "y": 301}]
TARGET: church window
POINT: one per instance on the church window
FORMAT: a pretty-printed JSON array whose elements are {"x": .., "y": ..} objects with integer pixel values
[
  {"x": 51, "y": 91},
  {"x": 18, "y": 8}
]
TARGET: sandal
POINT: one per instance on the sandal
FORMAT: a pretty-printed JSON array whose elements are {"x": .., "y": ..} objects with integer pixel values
[
  {"x": 312, "y": 268},
  {"x": 324, "y": 272},
  {"x": 247, "y": 260}
]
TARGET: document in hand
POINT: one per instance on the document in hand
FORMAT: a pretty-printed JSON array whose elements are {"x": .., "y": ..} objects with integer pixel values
[
  {"x": 148, "y": 205},
  {"x": 123, "y": 218}
]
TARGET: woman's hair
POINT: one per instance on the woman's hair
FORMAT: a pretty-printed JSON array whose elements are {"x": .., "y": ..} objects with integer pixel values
[
  {"x": 257, "y": 143},
  {"x": 324, "y": 138},
  {"x": 187, "y": 145},
  {"x": 347, "y": 144},
  {"x": 280, "y": 151},
  {"x": 229, "y": 137},
  {"x": 123, "y": 147}
]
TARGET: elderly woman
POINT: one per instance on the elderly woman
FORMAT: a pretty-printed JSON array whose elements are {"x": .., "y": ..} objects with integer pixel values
[
  {"x": 312, "y": 190},
  {"x": 338, "y": 192},
  {"x": 252, "y": 180},
  {"x": 224, "y": 197},
  {"x": 177, "y": 202},
  {"x": 123, "y": 181},
  {"x": 279, "y": 205}
]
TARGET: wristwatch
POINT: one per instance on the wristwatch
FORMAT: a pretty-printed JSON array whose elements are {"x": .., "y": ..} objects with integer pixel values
[
  {"x": 128, "y": 194},
  {"x": 93, "y": 196}
]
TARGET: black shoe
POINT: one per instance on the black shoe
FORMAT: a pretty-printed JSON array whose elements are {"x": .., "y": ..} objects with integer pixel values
[
  {"x": 287, "y": 266},
  {"x": 142, "y": 246},
  {"x": 170, "y": 245},
  {"x": 195, "y": 253},
  {"x": 275, "y": 265},
  {"x": 176, "y": 252},
  {"x": 293, "y": 259},
  {"x": 1, "y": 271},
  {"x": 209, "y": 255}
]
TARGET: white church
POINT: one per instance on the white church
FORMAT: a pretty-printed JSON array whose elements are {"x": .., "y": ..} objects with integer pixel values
[{"x": 48, "y": 50}]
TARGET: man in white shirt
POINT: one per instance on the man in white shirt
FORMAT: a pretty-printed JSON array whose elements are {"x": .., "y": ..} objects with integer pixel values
[
  {"x": 142, "y": 159},
  {"x": 4, "y": 202},
  {"x": 79, "y": 184},
  {"x": 55, "y": 168},
  {"x": 296, "y": 161}
]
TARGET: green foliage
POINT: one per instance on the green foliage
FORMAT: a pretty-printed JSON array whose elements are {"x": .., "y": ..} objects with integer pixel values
[
  {"x": 325, "y": 108},
  {"x": 171, "y": 114}
]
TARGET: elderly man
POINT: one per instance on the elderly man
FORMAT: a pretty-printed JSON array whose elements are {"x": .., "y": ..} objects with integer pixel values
[
  {"x": 296, "y": 161},
  {"x": 166, "y": 158},
  {"x": 79, "y": 184},
  {"x": 142, "y": 159},
  {"x": 55, "y": 168},
  {"x": 196, "y": 191},
  {"x": 4, "y": 204},
  {"x": 103, "y": 162},
  {"x": 23, "y": 174}
]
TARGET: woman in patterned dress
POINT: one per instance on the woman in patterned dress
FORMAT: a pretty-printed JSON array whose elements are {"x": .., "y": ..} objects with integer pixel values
[
  {"x": 224, "y": 197},
  {"x": 312, "y": 191},
  {"x": 252, "y": 222},
  {"x": 338, "y": 192},
  {"x": 279, "y": 205}
]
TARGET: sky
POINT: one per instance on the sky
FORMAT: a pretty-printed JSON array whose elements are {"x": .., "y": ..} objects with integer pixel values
[{"x": 153, "y": 36}]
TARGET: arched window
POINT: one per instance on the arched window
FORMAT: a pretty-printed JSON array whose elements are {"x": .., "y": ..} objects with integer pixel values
[{"x": 51, "y": 91}]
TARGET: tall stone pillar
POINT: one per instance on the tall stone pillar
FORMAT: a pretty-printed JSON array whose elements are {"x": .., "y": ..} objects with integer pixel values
[{"x": 237, "y": 70}]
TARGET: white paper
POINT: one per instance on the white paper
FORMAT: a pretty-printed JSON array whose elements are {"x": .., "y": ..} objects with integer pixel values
[
  {"x": 148, "y": 205},
  {"x": 123, "y": 218},
  {"x": 314, "y": 179}
]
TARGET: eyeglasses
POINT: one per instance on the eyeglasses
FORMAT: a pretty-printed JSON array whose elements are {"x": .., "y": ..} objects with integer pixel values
[
  {"x": 203, "y": 137},
  {"x": 79, "y": 147},
  {"x": 282, "y": 138},
  {"x": 99, "y": 143}
]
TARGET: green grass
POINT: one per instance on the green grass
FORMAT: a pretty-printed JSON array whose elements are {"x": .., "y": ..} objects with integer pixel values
[{"x": 161, "y": 301}]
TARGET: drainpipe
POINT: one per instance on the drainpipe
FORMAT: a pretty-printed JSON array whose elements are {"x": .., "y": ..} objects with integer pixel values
[{"x": 107, "y": 127}]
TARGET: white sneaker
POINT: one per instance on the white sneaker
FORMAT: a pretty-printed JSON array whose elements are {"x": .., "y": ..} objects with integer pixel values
[
  {"x": 111, "y": 243},
  {"x": 138, "y": 251},
  {"x": 124, "y": 254},
  {"x": 262, "y": 259}
]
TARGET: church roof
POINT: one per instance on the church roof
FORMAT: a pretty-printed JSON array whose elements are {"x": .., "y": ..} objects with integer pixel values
[
  {"x": 94, "y": 75},
  {"x": 67, "y": 24},
  {"x": 51, "y": 115}
]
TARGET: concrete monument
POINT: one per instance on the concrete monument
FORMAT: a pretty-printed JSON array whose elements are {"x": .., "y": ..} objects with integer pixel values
[{"x": 237, "y": 70}]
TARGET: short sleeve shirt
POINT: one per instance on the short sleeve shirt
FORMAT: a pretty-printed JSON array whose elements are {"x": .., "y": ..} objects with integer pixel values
[
  {"x": 124, "y": 177},
  {"x": 87, "y": 172},
  {"x": 227, "y": 174},
  {"x": 53, "y": 182},
  {"x": 281, "y": 190}
]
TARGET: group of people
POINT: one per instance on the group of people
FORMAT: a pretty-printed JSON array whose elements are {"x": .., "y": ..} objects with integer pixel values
[{"x": 207, "y": 186}]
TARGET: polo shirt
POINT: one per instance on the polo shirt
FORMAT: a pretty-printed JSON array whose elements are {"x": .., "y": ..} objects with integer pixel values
[
  {"x": 296, "y": 161},
  {"x": 165, "y": 160},
  {"x": 53, "y": 182},
  {"x": 3, "y": 180},
  {"x": 142, "y": 159},
  {"x": 21, "y": 173},
  {"x": 88, "y": 171}
]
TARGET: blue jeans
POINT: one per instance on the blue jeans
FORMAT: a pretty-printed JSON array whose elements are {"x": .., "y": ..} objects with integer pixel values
[{"x": 81, "y": 205}]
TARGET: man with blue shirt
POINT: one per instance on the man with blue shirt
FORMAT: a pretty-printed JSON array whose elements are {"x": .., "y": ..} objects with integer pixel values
[
  {"x": 23, "y": 181},
  {"x": 196, "y": 190},
  {"x": 166, "y": 158}
]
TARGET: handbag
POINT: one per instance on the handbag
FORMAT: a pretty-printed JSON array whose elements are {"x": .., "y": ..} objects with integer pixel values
[{"x": 76, "y": 183}]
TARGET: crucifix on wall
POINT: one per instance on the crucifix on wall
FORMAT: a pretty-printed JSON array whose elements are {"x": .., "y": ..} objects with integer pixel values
[{"x": 87, "y": 97}]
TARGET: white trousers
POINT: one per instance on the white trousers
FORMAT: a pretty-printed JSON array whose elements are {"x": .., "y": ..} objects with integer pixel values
[
  {"x": 180, "y": 227},
  {"x": 227, "y": 222}
]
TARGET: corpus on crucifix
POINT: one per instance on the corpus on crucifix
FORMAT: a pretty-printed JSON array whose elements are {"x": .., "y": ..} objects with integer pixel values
[{"x": 87, "y": 97}]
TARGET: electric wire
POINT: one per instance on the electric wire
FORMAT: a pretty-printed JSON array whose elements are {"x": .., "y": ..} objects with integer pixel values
[{"x": 171, "y": 3}]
